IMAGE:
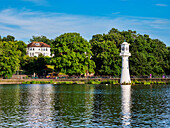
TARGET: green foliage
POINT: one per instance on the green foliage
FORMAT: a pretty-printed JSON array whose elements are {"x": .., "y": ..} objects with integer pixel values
[
  {"x": 41, "y": 39},
  {"x": 38, "y": 82},
  {"x": 149, "y": 56},
  {"x": 149, "y": 82},
  {"x": 26, "y": 82},
  {"x": 21, "y": 47},
  {"x": 72, "y": 54},
  {"x": 93, "y": 82},
  {"x": 9, "y": 58},
  {"x": 79, "y": 82},
  {"x": 105, "y": 50},
  {"x": 65, "y": 82},
  {"x": 8, "y": 38},
  {"x": 102, "y": 82},
  {"x": 35, "y": 64},
  {"x": 109, "y": 82},
  {"x": 12, "y": 53}
]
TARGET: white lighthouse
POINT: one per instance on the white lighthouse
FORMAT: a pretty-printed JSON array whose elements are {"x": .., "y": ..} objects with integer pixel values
[{"x": 125, "y": 75}]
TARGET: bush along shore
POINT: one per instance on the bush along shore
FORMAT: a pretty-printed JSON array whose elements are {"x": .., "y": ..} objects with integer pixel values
[
  {"x": 113, "y": 82},
  {"x": 73, "y": 82}
]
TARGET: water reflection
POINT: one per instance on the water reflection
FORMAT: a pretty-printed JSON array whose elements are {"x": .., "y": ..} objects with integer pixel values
[
  {"x": 40, "y": 106},
  {"x": 89, "y": 100},
  {"x": 9, "y": 102},
  {"x": 84, "y": 106},
  {"x": 126, "y": 105}
]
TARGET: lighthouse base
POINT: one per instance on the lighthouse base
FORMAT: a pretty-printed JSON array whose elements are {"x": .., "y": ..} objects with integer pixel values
[{"x": 125, "y": 79}]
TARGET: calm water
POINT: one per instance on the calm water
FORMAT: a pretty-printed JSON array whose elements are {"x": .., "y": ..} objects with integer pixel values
[{"x": 84, "y": 106}]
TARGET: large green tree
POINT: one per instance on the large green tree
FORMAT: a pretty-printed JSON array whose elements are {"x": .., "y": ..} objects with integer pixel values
[
  {"x": 21, "y": 47},
  {"x": 149, "y": 56},
  {"x": 36, "y": 65},
  {"x": 105, "y": 55},
  {"x": 72, "y": 54},
  {"x": 9, "y": 58}
]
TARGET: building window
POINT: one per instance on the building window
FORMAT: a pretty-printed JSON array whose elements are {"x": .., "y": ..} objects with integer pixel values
[
  {"x": 33, "y": 49},
  {"x": 127, "y": 67},
  {"x": 30, "y": 49},
  {"x": 37, "y": 44},
  {"x": 46, "y": 49}
]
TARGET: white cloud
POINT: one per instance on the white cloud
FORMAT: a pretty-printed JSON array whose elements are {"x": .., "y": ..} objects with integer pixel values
[
  {"x": 162, "y": 5},
  {"x": 24, "y": 24}
]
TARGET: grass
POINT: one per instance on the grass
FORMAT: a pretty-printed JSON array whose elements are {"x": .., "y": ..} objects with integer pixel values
[
  {"x": 149, "y": 82},
  {"x": 38, "y": 82},
  {"x": 112, "y": 82}
]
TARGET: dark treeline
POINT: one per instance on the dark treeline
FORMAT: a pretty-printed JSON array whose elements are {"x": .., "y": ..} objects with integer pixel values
[{"x": 73, "y": 55}]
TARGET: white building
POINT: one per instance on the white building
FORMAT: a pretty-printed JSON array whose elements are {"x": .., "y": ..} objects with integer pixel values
[
  {"x": 36, "y": 48},
  {"x": 125, "y": 75}
]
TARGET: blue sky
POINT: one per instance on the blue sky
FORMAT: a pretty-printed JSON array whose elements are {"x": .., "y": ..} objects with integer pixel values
[{"x": 25, "y": 18}]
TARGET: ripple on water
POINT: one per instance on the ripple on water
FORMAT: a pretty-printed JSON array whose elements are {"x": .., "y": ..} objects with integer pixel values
[{"x": 84, "y": 106}]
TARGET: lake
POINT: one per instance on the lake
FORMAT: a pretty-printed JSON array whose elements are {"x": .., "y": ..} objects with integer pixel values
[{"x": 38, "y": 105}]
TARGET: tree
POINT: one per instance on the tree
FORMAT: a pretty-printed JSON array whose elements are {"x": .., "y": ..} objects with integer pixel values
[
  {"x": 8, "y": 38},
  {"x": 41, "y": 39},
  {"x": 72, "y": 54},
  {"x": 28, "y": 64},
  {"x": 106, "y": 54},
  {"x": 36, "y": 65},
  {"x": 9, "y": 58},
  {"x": 21, "y": 47},
  {"x": 149, "y": 56}
]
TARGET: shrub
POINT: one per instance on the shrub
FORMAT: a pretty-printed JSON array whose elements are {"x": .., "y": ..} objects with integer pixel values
[{"x": 33, "y": 82}]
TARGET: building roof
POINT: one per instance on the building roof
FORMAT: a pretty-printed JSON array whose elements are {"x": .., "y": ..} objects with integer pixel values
[
  {"x": 38, "y": 44},
  {"x": 125, "y": 43}
]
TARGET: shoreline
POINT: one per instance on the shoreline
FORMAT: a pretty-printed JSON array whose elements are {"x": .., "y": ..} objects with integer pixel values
[{"x": 114, "y": 81}]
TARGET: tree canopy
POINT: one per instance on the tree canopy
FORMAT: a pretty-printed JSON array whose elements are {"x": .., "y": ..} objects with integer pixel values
[
  {"x": 106, "y": 55},
  {"x": 72, "y": 54},
  {"x": 7, "y": 38},
  {"x": 36, "y": 65},
  {"x": 9, "y": 58}
]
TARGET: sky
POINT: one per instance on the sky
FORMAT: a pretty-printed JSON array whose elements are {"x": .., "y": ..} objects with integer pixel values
[{"x": 25, "y": 18}]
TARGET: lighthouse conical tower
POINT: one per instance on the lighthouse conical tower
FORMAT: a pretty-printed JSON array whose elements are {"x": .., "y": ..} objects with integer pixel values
[{"x": 125, "y": 75}]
